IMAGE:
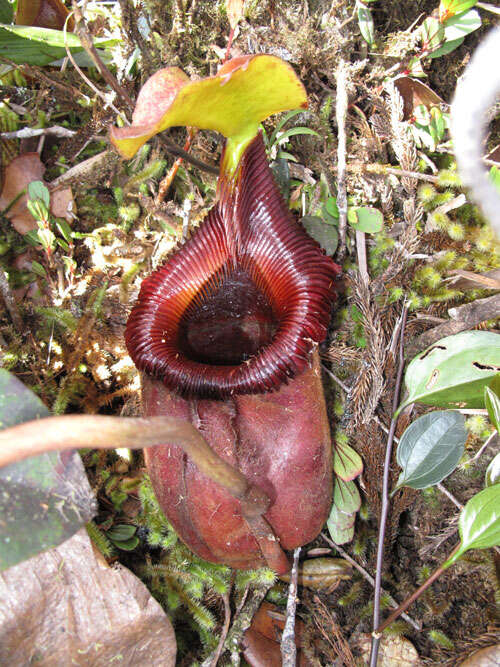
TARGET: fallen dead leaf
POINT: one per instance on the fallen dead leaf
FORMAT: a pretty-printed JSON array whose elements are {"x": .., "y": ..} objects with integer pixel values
[
  {"x": 395, "y": 651},
  {"x": 18, "y": 175},
  {"x": 67, "y": 606},
  {"x": 261, "y": 643},
  {"x": 485, "y": 657}
]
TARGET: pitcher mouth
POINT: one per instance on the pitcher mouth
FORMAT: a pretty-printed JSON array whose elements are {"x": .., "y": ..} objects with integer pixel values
[{"x": 240, "y": 306}]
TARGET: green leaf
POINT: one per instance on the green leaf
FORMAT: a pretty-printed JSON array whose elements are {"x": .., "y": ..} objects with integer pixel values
[
  {"x": 479, "y": 523},
  {"x": 340, "y": 526},
  {"x": 37, "y": 190},
  {"x": 492, "y": 404},
  {"x": 39, "y": 46},
  {"x": 453, "y": 372},
  {"x": 38, "y": 269},
  {"x": 283, "y": 121},
  {"x": 449, "y": 8},
  {"x": 64, "y": 230},
  {"x": 43, "y": 500},
  {"x": 437, "y": 125},
  {"x": 294, "y": 131},
  {"x": 461, "y": 25},
  {"x": 446, "y": 48},
  {"x": 331, "y": 210},
  {"x": 495, "y": 177},
  {"x": 121, "y": 532},
  {"x": 6, "y": 11},
  {"x": 366, "y": 24},
  {"x": 430, "y": 449},
  {"x": 346, "y": 496},
  {"x": 347, "y": 463},
  {"x": 492, "y": 475},
  {"x": 432, "y": 33},
  {"x": 365, "y": 219},
  {"x": 326, "y": 235},
  {"x": 127, "y": 545}
]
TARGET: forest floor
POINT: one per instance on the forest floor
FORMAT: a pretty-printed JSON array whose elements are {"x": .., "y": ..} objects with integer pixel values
[{"x": 63, "y": 334}]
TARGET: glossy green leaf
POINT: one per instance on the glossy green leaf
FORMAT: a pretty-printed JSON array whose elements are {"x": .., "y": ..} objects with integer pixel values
[
  {"x": 347, "y": 463},
  {"x": 449, "y": 8},
  {"x": 121, "y": 532},
  {"x": 453, "y": 372},
  {"x": 326, "y": 235},
  {"x": 430, "y": 449},
  {"x": 44, "y": 500},
  {"x": 39, "y": 46},
  {"x": 340, "y": 526},
  {"x": 346, "y": 496},
  {"x": 365, "y": 219},
  {"x": 366, "y": 24},
  {"x": 492, "y": 475},
  {"x": 461, "y": 25},
  {"x": 479, "y": 523}
]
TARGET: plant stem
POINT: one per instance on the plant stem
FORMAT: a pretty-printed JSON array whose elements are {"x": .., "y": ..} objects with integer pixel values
[
  {"x": 341, "y": 115},
  {"x": 103, "y": 432},
  {"x": 385, "y": 493},
  {"x": 288, "y": 646},
  {"x": 377, "y": 634}
]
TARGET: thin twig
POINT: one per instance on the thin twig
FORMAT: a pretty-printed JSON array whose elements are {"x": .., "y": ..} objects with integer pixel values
[
  {"x": 366, "y": 575},
  {"x": 88, "y": 45},
  {"x": 28, "y": 132},
  {"x": 288, "y": 645},
  {"x": 361, "y": 253},
  {"x": 225, "y": 629},
  {"x": 449, "y": 495},
  {"x": 89, "y": 83},
  {"x": 482, "y": 449},
  {"x": 341, "y": 114},
  {"x": 385, "y": 493}
]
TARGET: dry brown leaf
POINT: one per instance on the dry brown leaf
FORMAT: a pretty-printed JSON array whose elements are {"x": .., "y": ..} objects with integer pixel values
[
  {"x": 485, "y": 657},
  {"x": 18, "y": 175},
  {"x": 261, "y": 643},
  {"x": 67, "y": 606},
  {"x": 395, "y": 651},
  {"x": 321, "y": 573}
]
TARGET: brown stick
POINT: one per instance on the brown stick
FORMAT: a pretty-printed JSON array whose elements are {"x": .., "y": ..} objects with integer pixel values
[
  {"x": 464, "y": 317},
  {"x": 102, "y": 432},
  {"x": 288, "y": 645}
]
